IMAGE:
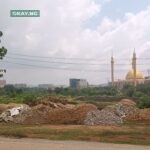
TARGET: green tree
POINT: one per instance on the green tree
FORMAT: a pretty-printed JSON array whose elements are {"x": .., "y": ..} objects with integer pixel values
[
  {"x": 3, "y": 52},
  {"x": 144, "y": 88},
  {"x": 128, "y": 90},
  {"x": 144, "y": 102}
]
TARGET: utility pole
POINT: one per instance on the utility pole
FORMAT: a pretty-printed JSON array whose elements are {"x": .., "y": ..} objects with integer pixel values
[{"x": 112, "y": 71}]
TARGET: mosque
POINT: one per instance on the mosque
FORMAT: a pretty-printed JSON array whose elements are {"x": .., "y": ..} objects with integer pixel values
[{"x": 133, "y": 76}]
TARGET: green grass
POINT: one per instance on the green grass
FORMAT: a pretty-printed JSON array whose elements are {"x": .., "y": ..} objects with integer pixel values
[{"x": 33, "y": 96}]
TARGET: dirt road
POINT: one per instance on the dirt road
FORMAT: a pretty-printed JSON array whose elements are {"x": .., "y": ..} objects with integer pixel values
[{"x": 38, "y": 144}]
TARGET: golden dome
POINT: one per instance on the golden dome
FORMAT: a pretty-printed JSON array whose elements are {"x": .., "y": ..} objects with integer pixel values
[{"x": 130, "y": 75}]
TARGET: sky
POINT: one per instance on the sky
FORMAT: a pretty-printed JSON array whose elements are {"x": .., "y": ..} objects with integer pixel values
[{"x": 91, "y": 30}]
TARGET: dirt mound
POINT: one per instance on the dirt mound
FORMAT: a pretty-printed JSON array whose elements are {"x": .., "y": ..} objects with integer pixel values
[
  {"x": 48, "y": 110},
  {"x": 127, "y": 102},
  {"x": 113, "y": 114},
  {"x": 53, "y": 110},
  {"x": 73, "y": 115},
  {"x": 144, "y": 114},
  {"x": 140, "y": 115},
  {"x": 4, "y": 107}
]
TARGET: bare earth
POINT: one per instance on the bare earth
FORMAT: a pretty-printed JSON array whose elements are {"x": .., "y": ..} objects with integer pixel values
[{"x": 39, "y": 144}]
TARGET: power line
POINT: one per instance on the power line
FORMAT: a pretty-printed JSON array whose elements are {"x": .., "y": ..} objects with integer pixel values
[
  {"x": 37, "y": 59},
  {"x": 63, "y": 58},
  {"x": 55, "y": 68},
  {"x": 68, "y": 63},
  {"x": 86, "y": 59},
  {"x": 55, "y": 62},
  {"x": 58, "y": 68},
  {"x": 60, "y": 62}
]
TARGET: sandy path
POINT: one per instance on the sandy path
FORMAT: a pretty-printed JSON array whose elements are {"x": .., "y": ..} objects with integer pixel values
[{"x": 38, "y": 144}]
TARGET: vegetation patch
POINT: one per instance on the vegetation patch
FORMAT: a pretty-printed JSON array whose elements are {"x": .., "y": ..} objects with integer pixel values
[{"x": 134, "y": 134}]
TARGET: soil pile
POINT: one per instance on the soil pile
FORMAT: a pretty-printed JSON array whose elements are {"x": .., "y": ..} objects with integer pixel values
[
  {"x": 53, "y": 110},
  {"x": 4, "y": 107},
  {"x": 112, "y": 115},
  {"x": 60, "y": 114}
]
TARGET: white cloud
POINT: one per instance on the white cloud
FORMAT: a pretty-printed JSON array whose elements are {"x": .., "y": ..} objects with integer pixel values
[{"x": 59, "y": 32}]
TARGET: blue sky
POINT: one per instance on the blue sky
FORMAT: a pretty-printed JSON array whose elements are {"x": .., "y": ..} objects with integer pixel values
[{"x": 116, "y": 9}]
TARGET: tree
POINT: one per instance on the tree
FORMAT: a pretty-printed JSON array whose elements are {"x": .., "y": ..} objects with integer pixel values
[
  {"x": 128, "y": 90},
  {"x": 3, "y": 52}
]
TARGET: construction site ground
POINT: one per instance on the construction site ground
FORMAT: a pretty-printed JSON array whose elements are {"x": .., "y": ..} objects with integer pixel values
[
  {"x": 59, "y": 119},
  {"x": 129, "y": 133}
]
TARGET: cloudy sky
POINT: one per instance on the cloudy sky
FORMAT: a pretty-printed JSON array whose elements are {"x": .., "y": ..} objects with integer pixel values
[{"x": 45, "y": 49}]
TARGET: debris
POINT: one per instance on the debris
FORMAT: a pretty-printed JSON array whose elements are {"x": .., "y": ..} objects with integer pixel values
[
  {"x": 66, "y": 114},
  {"x": 14, "y": 114},
  {"x": 4, "y": 107},
  {"x": 59, "y": 111},
  {"x": 102, "y": 117},
  {"x": 112, "y": 115}
]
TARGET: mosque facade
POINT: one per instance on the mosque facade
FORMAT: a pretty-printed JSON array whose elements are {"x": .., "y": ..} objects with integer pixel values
[{"x": 133, "y": 77}]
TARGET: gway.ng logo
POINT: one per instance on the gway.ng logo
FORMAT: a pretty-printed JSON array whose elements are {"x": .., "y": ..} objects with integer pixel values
[{"x": 24, "y": 13}]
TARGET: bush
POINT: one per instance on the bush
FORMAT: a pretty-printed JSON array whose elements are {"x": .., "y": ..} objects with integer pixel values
[
  {"x": 128, "y": 90},
  {"x": 95, "y": 91},
  {"x": 144, "y": 102},
  {"x": 30, "y": 99},
  {"x": 144, "y": 88}
]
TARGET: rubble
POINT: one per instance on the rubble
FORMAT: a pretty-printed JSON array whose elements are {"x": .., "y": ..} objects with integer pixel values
[
  {"x": 55, "y": 111},
  {"x": 4, "y": 107},
  {"x": 16, "y": 114},
  {"x": 112, "y": 115},
  {"x": 122, "y": 110},
  {"x": 102, "y": 117}
]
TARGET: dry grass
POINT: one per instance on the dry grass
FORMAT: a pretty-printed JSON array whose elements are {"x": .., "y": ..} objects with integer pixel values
[{"x": 133, "y": 133}]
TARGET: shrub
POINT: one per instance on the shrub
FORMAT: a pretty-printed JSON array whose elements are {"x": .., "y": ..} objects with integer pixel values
[
  {"x": 144, "y": 102},
  {"x": 30, "y": 99}
]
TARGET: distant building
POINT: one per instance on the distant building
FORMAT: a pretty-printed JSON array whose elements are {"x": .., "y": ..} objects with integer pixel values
[
  {"x": 2, "y": 83},
  {"x": 20, "y": 85},
  {"x": 46, "y": 86},
  {"x": 78, "y": 83},
  {"x": 133, "y": 76}
]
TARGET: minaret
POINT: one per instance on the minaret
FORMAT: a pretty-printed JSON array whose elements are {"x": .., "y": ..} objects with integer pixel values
[
  {"x": 134, "y": 66},
  {"x": 112, "y": 70}
]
